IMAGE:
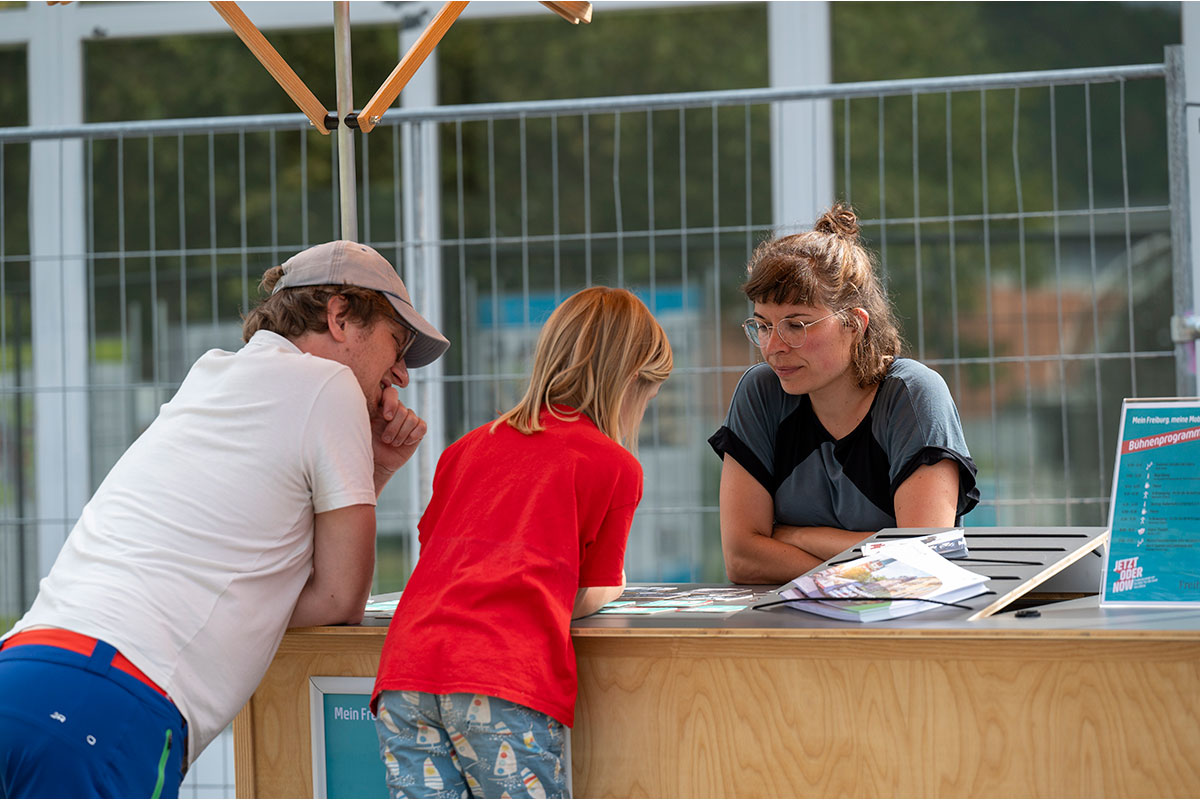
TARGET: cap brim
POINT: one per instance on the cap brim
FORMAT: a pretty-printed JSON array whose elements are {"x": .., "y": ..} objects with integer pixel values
[{"x": 429, "y": 346}]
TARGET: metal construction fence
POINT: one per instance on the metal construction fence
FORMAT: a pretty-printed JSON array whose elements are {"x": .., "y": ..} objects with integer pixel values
[{"x": 1023, "y": 224}]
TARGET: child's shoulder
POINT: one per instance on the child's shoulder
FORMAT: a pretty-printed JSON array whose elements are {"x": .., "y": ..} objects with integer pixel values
[
  {"x": 600, "y": 453},
  {"x": 569, "y": 435},
  {"x": 465, "y": 443}
]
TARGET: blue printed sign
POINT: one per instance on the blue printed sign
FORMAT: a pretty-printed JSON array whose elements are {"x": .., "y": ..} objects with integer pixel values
[
  {"x": 1154, "y": 550},
  {"x": 346, "y": 759}
]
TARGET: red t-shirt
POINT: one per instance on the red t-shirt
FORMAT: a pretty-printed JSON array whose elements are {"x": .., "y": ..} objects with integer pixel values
[{"x": 516, "y": 526}]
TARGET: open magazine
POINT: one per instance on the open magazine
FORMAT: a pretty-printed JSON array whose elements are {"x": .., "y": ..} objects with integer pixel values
[{"x": 873, "y": 588}]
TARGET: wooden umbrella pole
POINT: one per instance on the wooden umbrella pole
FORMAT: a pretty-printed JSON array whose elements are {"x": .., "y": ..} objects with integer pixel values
[
  {"x": 284, "y": 75},
  {"x": 347, "y": 184},
  {"x": 369, "y": 117}
]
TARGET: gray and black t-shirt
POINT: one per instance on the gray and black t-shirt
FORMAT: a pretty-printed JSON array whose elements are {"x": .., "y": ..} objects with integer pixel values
[{"x": 845, "y": 483}]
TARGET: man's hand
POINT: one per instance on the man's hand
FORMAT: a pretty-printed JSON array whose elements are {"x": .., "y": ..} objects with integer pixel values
[{"x": 395, "y": 433}]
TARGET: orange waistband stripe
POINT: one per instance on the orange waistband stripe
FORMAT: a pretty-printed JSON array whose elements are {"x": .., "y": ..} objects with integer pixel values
[{"x": 78, "y": 643}]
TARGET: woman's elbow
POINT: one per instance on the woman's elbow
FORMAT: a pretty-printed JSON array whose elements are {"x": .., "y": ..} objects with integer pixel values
[
  {"x": 738, "y": 577},
  {"x": 738, "y": 568}
]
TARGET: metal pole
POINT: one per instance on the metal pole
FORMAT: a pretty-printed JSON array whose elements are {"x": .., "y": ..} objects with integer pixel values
[
  {"x": 1181, "y": 213},
  {"x": 345, "y": 105}
]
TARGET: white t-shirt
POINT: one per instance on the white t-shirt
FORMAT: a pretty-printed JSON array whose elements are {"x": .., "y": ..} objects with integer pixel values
[{"x": 191, "y": 554}]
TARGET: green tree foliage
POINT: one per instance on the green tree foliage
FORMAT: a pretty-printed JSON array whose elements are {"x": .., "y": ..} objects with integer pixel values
[
  {"x": 14, "y": 158},
  {"x": 216, "y": 75},
  {"x": 249, "y": 198},
  {"x": 1053, "y": 171},
  {"x": 13, "y": 87},
  {"x": 887, "y": 41},
  {"x": 890, "y": 41},
  {"x": 187, "y": 223},
  {"x": 634, "y": 51},
  {"x": 1003, "y": 152},
  {"x": 606, "y": 173},
  {"x": 14, "y": 209},
  {"x": 185, "y": 192}
]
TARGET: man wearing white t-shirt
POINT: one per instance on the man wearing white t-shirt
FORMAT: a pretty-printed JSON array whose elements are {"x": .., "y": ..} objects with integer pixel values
[{"x": 248, "y": 506}]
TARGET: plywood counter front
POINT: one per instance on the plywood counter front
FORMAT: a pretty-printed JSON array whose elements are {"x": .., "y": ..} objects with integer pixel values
[{"x": 1079, "y": 702}]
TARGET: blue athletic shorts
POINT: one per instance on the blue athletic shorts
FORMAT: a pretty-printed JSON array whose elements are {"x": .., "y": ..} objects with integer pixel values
[{"x": 73, "y": 726}]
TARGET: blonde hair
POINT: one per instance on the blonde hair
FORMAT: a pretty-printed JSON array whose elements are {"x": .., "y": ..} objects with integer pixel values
[
  {"x": 829, "y": 266},
  {"x": 597, "y": 346}
]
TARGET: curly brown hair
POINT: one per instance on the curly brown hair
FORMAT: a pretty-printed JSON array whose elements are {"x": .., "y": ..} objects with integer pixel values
[
  {"x": 292, "y": 312},
  {"x": 829, "y": 266}
]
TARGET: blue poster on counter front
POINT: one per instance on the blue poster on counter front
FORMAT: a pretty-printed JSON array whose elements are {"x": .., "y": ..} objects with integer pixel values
[
  {"x": 1154, "y": 550},
  {"x": 352, "y": 765},
  {"x": 345, "y": 747}
]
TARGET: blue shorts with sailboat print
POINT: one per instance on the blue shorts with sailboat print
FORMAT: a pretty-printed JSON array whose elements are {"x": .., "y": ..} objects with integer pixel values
[{"x": 469, "y": 745}]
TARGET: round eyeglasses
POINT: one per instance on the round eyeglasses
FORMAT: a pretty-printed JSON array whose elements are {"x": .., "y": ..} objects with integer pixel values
[
  {"x": 406, "y": 345},
  {"x": 792, "y": 332}
]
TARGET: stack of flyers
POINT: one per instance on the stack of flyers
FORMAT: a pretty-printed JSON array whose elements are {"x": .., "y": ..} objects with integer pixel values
[{"x": 642, "y": 600}]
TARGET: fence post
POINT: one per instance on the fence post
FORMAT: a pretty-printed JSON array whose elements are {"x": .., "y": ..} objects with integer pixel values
[
  {"x": 346, "y": 177},
  {"x": 58, "y": 281},
  {"x": 1181, "y": 212},
  {"x": 423, "y": 276},
  {"x": 801, "y": 131}
]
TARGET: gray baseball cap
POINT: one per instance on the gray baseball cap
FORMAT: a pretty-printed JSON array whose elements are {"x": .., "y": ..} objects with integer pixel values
[{"x": 346, "y": 263}]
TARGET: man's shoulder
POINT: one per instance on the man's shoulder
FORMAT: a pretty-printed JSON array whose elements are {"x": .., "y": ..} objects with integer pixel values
[
  {"x": 268, "y": 341},
  {"x": 270, "y": 351},
  {"x": 272, "y": 369}
]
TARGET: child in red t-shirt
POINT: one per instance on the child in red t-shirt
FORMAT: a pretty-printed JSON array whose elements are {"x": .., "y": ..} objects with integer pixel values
[{"x": 525, "y": 531}]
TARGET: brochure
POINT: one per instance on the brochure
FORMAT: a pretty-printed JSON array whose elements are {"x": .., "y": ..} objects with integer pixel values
[
  {"x": 1154, "y": 515},
  {"x": 950, "y": 544},
  {"x": 639, "y": 600},
  {"x": 382, "y": 606},
  {"x": 894, "y": 583}
]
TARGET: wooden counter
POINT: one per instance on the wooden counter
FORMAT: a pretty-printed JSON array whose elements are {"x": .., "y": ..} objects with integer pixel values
[{"x": 1081, "y": 701}]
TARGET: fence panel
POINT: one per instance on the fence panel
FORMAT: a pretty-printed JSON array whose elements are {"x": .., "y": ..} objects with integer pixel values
[
  {"x": 1024, "y": 239},
  {"x": 1022, "y": 224}
]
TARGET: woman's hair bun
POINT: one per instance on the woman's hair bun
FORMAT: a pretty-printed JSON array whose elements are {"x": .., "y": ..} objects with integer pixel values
[{"x": 839, "y": 221}]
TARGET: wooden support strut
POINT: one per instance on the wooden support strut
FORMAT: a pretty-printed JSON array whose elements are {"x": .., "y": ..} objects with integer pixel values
[
  {"x": 573, "y": 12},
  {"x": 570, "y": 10},
  {"x": 369, "y": 117},
  {"x": 284, "y": 75}
]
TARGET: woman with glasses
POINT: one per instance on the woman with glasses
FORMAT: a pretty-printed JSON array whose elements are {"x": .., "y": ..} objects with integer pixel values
[{"x": 833, "y": 437}]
